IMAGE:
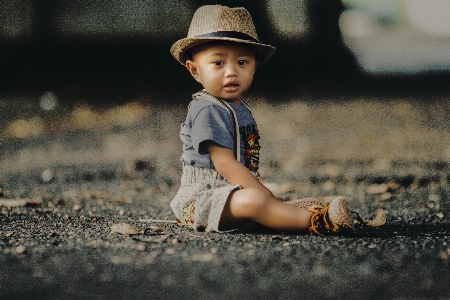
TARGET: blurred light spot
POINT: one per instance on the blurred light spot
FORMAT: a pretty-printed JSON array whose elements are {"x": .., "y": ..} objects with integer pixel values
[
  {"x": 48, "y": 101},
  {"x": 84, "y": 118},
  {"x": 126, "y": 115},
  {"x": 379, "y": 47},
  {"x": 382, "y": 164},
  {"x": 26, "y": 128},
  {"x": 117, "y": 145},
  {"x": 47, "y": 175},
  {"x": 290, "y": 17},
  {"x": 356, "y": 24},
  {"x": 431, "y": 16},
  {"x": 383, "y": 12}
]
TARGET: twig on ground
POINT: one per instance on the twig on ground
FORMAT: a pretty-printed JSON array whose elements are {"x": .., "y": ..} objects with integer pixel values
[{"x": 156, "y": 221}]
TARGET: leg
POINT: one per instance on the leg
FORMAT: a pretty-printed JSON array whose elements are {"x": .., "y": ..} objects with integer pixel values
[{"x": 244, "y": 205}]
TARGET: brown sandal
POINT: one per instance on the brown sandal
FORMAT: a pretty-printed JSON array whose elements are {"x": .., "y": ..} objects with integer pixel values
[{"x": 333, "y": 219}]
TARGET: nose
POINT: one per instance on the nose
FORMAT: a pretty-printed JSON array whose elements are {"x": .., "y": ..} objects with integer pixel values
[{"x": 231, "y": 71}]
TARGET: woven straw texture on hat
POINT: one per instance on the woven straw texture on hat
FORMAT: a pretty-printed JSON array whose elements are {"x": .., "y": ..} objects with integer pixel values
[{"x": 216, "y": 22}]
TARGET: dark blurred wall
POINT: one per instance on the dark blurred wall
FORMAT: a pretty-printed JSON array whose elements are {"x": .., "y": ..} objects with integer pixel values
[
  {"x": 122, "y": 46},
  {"x": 56, "y": 44}
]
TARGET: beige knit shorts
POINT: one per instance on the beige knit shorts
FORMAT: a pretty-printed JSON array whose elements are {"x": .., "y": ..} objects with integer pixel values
[{"x": 201, "y": 198}]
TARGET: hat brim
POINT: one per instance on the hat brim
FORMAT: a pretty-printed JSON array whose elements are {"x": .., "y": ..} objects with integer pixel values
[{"x": 179, "y": 48}]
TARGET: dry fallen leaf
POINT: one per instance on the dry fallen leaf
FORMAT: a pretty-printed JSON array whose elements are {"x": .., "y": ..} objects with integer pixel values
[
  {"x": 385, "y": 196},
  {"x": 379, "y": 220},
  {"x": 377, "y": 189},
  {"x": 125, "y": 229},
  {"x": 154, "y": 228}
]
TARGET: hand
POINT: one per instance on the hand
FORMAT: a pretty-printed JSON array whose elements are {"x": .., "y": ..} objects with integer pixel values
[{"x": 233, "y": 171}]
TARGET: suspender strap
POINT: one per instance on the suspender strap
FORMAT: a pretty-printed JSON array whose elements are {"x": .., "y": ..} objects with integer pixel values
[{"x": 237, "y": 136}]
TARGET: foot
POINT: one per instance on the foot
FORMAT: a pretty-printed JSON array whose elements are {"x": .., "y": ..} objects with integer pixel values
[{"x": 333, "y": 219}]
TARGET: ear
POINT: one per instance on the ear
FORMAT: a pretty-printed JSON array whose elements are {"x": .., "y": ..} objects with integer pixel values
[{"x": 192, "y": 68}]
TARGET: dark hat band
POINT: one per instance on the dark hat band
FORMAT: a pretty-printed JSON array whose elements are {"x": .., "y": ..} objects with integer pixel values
[{"x": 228, "y": 34}]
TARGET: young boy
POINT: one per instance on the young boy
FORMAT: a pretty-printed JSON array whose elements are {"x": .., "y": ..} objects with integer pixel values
[{"x": 220, "y": 186}]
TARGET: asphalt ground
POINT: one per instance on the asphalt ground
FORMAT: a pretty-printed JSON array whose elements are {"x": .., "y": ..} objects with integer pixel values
[{"x": 77, "y": 182}]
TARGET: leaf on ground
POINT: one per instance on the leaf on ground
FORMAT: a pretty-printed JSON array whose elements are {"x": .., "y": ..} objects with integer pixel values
[
  {"x": 379, "y": 220},
  {"x": 152, "y": 239},
  {"x": 377, "y": 189},
  {"x": 20, "y": 202},
  {"x": 385, "y": 196},
  {"x": 125, "y": 229},
  {"x": 154, "y": 228}
]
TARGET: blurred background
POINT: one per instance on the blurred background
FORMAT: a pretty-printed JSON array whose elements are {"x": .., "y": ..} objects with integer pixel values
[
  {"x": 78, "y": 65},
  {"x": 338, "y": 46}
]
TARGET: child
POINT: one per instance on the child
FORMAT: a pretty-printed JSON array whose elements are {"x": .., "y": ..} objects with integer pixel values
[{"x": 220, "y": 188}]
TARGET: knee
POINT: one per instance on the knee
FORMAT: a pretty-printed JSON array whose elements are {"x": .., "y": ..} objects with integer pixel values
[{"x": 250, "y": 200}]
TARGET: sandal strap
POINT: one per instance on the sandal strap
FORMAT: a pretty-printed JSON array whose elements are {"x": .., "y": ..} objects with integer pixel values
[{"x": 320, "y": 221}]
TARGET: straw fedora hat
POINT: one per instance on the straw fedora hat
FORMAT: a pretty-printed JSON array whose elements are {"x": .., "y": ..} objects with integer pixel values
[{"x": 216, "y": 22}]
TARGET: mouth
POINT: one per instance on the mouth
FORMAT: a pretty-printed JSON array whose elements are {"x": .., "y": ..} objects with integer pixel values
[{"x": 231, "y": 86}]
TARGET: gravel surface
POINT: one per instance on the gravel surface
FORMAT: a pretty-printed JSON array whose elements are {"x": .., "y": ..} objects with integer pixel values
[{"x": 79, "y": 183}]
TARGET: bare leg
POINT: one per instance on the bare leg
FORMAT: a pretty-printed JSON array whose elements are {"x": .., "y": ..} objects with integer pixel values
[{"x": 246, "y": 204}]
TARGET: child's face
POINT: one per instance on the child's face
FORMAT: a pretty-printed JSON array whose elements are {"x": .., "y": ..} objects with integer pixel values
[{"x": 225, "y": 69}]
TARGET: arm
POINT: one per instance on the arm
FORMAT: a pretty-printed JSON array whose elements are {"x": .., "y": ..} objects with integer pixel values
[{"x": 233, "y": 171}]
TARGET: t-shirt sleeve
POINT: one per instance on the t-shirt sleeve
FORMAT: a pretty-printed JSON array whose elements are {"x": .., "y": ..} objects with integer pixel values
[{"x": 212, "y": 123}]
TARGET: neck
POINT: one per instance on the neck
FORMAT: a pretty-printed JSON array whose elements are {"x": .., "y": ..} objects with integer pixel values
[{"x": 237, "y": 102}]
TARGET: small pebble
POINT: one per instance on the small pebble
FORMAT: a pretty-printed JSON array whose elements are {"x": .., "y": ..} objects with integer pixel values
[
  {"x": 140, "y": 247},
  {"x": 20, "y": 249},
  {"x": 47, "y": 175},
  {"x": 170, "y": 251},
  {"x": 175, "y": 241},
  {"x": 76, "y": 207}
]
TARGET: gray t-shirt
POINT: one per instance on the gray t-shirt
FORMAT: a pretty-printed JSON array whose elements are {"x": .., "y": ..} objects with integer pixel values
[{"x": 207, "y": 120}]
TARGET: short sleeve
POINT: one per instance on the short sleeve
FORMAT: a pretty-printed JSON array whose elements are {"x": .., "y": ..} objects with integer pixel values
[{"x": 212, "y": 123}]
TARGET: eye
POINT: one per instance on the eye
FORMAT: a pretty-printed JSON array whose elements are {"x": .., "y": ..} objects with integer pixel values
[
  {"x": 242, "y": 62},
  {"x": 218, "y": 63}
]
